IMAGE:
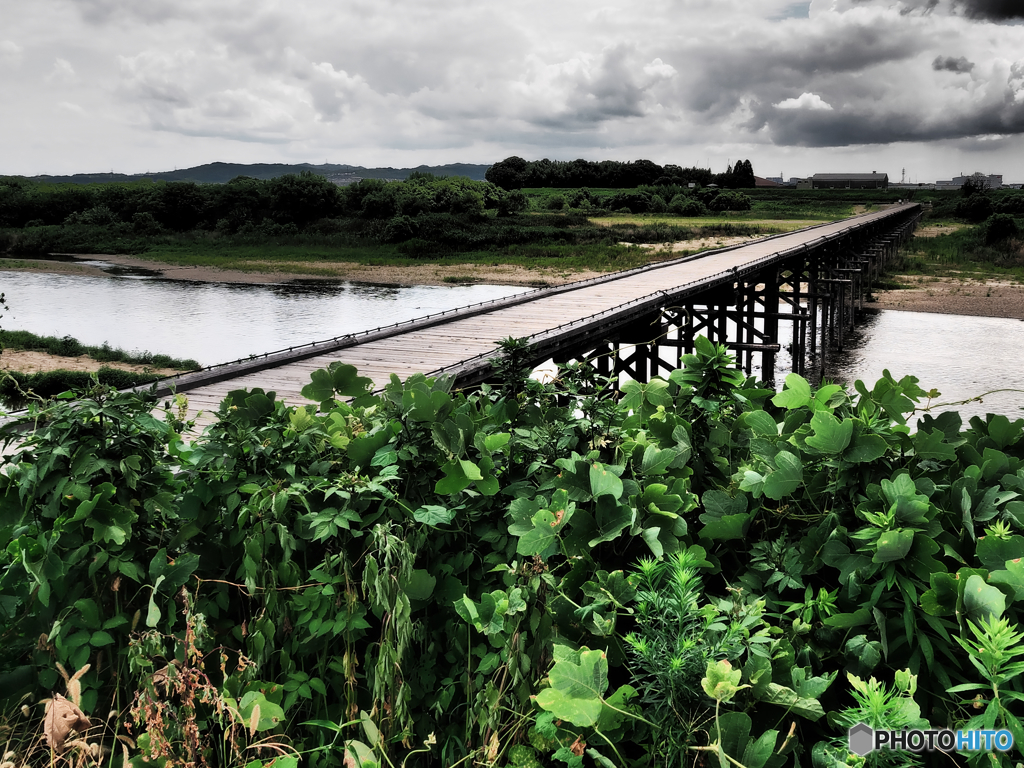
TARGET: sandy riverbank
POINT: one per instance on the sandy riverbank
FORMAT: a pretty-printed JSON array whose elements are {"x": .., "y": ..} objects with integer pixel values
[
  {"x": 28, "y": 361},
  {"x": 282, "y": 272},
  {"x": 954, "y": 296}
]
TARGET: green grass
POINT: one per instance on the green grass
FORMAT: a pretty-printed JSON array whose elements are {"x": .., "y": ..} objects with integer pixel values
[
  {"x": 963, "y": 254},
  {"x": 69, "y": 346}
]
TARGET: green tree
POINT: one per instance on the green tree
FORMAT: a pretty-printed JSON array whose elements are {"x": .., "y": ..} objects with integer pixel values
[{"x": 508, "y": 173}]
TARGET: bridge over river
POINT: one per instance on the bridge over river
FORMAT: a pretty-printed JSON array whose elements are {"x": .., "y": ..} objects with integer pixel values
[{"x": 799, "y": 289}]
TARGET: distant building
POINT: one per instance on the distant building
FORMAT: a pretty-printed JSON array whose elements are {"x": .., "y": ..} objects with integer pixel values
[
  {"x": 993, "y": 181},
  {"x": 850, "y": 181},
  {"x": 759, "y": 182}
]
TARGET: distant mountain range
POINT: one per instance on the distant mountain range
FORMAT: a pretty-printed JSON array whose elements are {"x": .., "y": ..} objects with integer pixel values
[{"x": 219, "y": 173}]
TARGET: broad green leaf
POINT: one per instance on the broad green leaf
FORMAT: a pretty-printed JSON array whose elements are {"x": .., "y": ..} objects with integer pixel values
[
  {"x": 761, "y": 423},
  {"x": 831, "y": 436},
  {"x": 788, "y": 699},
  {"x": 725, "y": 518},
  {"x": 797, "y": 393},
  {"x": 786, "y": 477},
  {"x": 101, "y": 639},
  {"x": 893, "y": 545},
  {"x": 456, "y": 478},
  {"x": 732, "y": 732},
  {"x": 541, "y": 537},
  {"x": 725, "y": 528},
  {"x": 577, "y": 688},
  {"x": 336, "y": 378},
  {"x": 1004, "y": 432},
  {"x": 420, "y": 585},
  {"x": 858, "y": 618},
  {"x": 719, "y": 503},
  {"x": 995, "y": 552},
  {"x": 1012, "y": 576},
  {"x": 656, "y": 460},
  {"x": 270, "y": 714},
  {"x": 982, "y": 600},
  {"x": 497, "y": 440},
  {"x": 90, "y": 612},
  {"x": 757, "y": 752},
  {"x": 603, "y": 482},
  {"x": 932, "y": 445},
  {"x": 865, "y": 448},
  {"x": 941, "y": 599},
  {"x": 612, "y": 518},
  {"x": 433, "y": 515}
]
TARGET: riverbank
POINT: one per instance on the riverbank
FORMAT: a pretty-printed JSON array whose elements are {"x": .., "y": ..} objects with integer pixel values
[
  {"x": 30, "y": 361},
  {"x": 975, "y": 296},
  {"x": 283, "y": 272}
]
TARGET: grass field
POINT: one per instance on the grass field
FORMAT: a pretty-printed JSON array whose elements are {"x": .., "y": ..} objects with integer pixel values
[{"x": 962, "y": 252}]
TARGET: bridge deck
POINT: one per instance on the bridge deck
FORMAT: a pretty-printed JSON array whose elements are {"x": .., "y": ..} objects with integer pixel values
[{"x": 427, "y": 350}]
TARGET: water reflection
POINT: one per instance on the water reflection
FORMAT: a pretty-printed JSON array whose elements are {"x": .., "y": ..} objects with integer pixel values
[
  {"x": 217, "y": 322},
  {"x": 962, "y": 357}
]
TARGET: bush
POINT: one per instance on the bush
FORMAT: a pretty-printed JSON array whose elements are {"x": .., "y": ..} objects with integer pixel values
[
  {"x": 399, "y": 229},
  {"x": 688, "y": 206},
  {"x": 14, "y": 386},
  {"x": 1000, "y": 227},
  {"x": 513, "y": 202},
  {"x": 975, "y": 208},
  {"x": 730, "y": 201},
  {"x": 691, "y": 564}
]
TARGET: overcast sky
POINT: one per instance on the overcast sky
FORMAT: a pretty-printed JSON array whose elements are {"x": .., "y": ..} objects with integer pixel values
[{"x": 932, "y": 86}]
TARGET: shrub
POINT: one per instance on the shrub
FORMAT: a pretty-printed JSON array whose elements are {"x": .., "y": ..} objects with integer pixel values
[
  {"x": 399, "y": 229},
  {"x": 975, "y": 208},
  {"x": 688, "y": 206},
  {"x": 1000, "y": 227},
  {"x": 15, "y": 388}
]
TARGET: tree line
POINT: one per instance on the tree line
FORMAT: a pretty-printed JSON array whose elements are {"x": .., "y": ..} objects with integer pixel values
[{"x": 517, "y": 173}]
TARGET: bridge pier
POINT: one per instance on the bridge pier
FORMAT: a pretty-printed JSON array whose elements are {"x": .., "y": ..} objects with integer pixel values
[{"x": 819, "y": 290}]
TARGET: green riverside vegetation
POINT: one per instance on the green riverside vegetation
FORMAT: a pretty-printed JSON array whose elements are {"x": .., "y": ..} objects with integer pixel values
[
  {"x": 17, "y": 388},
  {"x": 302, "y": 223},
  {"x": 695, "y": 570}
]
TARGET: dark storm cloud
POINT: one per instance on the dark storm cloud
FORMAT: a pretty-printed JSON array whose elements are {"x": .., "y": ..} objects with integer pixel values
[
  {"x": 836, "y": 128},
  {"x": 993, "y": 10},
  {"x": 949, "y": 64},
  {"x": 774, "y": 69}
]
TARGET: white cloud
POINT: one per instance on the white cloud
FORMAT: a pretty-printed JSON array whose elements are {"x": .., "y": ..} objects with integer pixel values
[
  {"x": 62, "y": 73},
  {"x": 687, "y": 81},
  {"x": 10, "y": 53},
  {"x": 805, "y": 101}
]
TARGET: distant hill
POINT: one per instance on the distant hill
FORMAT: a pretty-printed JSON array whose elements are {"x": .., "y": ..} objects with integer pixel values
[{"x": 219, "y": 173}]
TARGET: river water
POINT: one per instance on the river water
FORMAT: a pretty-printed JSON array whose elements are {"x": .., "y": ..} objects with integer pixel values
[
  {"x": 962, "y": 357},
  {"x": 217, "y": 322}
]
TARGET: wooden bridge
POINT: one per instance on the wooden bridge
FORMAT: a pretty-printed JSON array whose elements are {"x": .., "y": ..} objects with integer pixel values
[{"x": 799, "y": 289}]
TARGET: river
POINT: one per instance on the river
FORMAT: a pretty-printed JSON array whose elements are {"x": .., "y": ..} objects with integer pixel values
[{"x": 962, "y": 357}]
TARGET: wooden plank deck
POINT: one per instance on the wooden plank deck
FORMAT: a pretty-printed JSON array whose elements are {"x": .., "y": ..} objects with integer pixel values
[{"x": 427, "y": 350}]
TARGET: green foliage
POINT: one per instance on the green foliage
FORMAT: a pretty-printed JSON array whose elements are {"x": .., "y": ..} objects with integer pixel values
[
  {"x": 431, "y": 576},
  {"x": 17, "y": 388},
  {"x": 68, "y": 346}
]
